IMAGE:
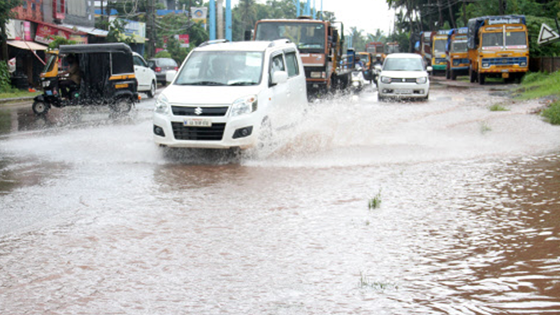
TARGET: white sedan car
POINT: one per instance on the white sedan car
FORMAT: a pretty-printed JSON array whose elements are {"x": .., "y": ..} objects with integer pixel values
[{"x": 403, "y": 76}]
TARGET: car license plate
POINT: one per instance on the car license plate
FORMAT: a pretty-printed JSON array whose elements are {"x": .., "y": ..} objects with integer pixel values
[
  {"x": 403, "y": 91},
  {"x": 197, "y": 123}
]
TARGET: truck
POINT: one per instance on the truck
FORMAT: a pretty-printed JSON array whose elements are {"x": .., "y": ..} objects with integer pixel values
[
  {"x": 439, "y": 42},
  {"x": 391, "y": 48},
  {"x": 321, "y": 46},
  {"x": 376, "y": 48},
  {"x": 424, "y": 46},
  {"x": 498, "y": 46},
  {"x": 457, "y": 53}
]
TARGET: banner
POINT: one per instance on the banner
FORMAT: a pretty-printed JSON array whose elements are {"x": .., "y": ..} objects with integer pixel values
[
  {"x": 12, "y": 65},
  {"x": 183, "y": 40}
]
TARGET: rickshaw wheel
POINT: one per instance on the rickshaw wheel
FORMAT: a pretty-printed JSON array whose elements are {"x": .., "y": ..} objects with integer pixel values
[
  {"x": 122, "y": 105},
  {"x": 40, "y": 108},
  {"x": 152, "y": 90}
]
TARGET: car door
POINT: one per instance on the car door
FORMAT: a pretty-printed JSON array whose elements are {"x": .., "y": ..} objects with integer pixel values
[
  {"x": 142, "y": 72},
  {"x": 297, "y": 95},
  {"x": 280, "y": 92}
]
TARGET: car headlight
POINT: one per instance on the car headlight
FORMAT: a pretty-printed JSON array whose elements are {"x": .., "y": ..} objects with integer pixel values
[
  {"x": 244, "y": 105},
  {"x": 422, "y": 80},
  {"x": 485, "y": 65},
  {"x": 386, "y": 79},
  {"x": 46, "y": 84},
  {"x": 523, "y": 64},
  {"x": 162, "y": 105}
]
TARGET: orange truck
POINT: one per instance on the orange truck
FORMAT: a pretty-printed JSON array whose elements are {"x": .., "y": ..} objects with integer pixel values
[
  {"x": 376, "y": 48},
  {"x": 498, "y": 47},
  {"x": 457, "y": 53},
  {"x": 321, "y": 47}
]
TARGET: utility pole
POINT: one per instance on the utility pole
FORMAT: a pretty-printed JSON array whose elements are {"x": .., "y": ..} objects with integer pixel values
[
  {"x": 212, "y": 24},
  {"x": 220, "y": 23},
  {"x": 151, "y": 28}
]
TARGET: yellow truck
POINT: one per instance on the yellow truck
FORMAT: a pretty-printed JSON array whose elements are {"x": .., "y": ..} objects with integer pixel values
[
  {"x": 439, "y": 42},
  {"x": 457, "y": 53},
  {"x": 498, "y": 47}
]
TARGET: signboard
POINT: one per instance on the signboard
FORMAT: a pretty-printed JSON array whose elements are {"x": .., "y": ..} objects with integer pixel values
[
  {"x": 183, "y": 40},
  {"x": 199, "y": 14},
  {"x": 547, "y": 35},
  {"x": 503, "y": 20},
  {"x": 135, "y": 30},
  {"x": 45, "y": 33}
]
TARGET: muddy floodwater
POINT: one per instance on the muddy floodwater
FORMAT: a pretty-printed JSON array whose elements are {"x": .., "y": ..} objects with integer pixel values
[{"x": 438, "y": 207}]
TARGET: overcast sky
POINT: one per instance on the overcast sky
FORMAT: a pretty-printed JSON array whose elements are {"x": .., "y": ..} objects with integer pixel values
[{"x": 366, "y": 15}]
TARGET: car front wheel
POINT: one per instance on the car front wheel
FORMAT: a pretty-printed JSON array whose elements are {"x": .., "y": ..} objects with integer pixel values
[{"x": 40, "y": 108}]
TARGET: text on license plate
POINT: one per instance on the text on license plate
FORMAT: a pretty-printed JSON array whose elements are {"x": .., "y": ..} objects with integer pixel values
[
  {"x": 403, "y": 91},
  {"x": 197, "y": 123}
]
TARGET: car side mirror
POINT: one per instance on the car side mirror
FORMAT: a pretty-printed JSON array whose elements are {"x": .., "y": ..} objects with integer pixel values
[
  {"x": 170, "y": 75},
  {"x": 429, "y": 68},
  {"x": 279, "y": 77}
]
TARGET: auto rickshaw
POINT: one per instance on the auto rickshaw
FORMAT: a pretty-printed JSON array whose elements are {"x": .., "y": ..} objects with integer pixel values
[
  {"x": 367, "y": 60},
  {"x": 107, "y": 78}
]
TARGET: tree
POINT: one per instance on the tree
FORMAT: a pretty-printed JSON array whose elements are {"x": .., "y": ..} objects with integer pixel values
[{"x": 6, "y": 13}]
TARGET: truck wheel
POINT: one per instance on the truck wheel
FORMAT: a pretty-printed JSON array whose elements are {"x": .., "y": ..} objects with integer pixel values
[
  {"x": 447, "y": 73},
  {"x": 40, "y": 108},
  {"x": 481, "y": 78},
  {"x": 472, "y": 75},
  {"x": 453, "y": 75}
]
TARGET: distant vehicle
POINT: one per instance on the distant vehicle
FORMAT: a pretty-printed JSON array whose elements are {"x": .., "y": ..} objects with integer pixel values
[
  {"x": 439, "y": 55},
  {"x": 404, "y": 75},
  {"x": 146, "y": 77},
  {"x": 106, "y": 78},
  {"x": 457, "y": 53},
  {"x": 425, "y": 46},
  {"x": 231, "y": 95},
  {"x": 391, "y": 48},
  {"x": 367, "y": 60},
  {"x": 498, "y": 47},
  {"x": 321, "y": 45},
  {"x": 161, "y": 66},
  {"x": 375, "y": 48}
]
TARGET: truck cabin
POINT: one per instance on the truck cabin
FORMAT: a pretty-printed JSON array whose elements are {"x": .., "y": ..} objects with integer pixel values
[
  {"x": 508, "y": 36},
  {"x": 310, "y": 36}
]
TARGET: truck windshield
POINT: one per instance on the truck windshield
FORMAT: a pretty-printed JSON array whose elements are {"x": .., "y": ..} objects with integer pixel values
[
  {"x": 459, "y": 46},
  {"x": 379, "y": 49},
  {"x": 308, "y": 37},
  {"x": 516, "y": 39},
  {"x": 53, "y": 58},
  {"x": 222, "y": 68},
  {"x": 439, "y": 46},
  {"x": 492, "y": 40}
]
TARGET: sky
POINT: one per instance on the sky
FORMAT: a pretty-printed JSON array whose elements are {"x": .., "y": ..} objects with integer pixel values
[{"x": 366, "y": 15}]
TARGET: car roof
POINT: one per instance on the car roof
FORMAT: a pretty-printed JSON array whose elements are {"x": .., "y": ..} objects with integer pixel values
[
  {"x": 246, "y": 45},
  {"x": 404, "y": 55}
]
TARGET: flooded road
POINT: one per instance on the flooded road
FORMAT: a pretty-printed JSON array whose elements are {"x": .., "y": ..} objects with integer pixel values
[{"x": 97, "y": 220}]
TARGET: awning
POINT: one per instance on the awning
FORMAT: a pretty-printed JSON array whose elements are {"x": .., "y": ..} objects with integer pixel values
[
  {"x": 21, "y": 44},
  {"x": 90, "y": 30}
]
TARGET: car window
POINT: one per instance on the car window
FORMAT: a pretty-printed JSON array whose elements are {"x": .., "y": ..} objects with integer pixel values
[
  {"x": 292, "y": 64},
  {"x": 167, "y": 63},
  {"x": 139, "y": 61},
  {"x": 277, "y": 64}
]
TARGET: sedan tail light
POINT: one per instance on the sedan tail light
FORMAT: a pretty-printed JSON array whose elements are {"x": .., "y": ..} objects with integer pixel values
[
  {"x": 176, "y": 68},
  {"x": 158, "y": 69}
]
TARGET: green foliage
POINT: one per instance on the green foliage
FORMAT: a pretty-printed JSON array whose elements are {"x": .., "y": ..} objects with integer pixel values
[
  {"x": 534, "y": 27},
  {"x": 117, "y": 34},
  {"x": 5, "y": 85},
  {"x": 540, "y": 85},
  {"x": 163, "y": 54},
  {"x": 498, "y": 108},
  {"x": 534, "y": 77},
  {"x": 59, "y": 40},
  {"x": 375, "y": 202},
  {"x": 552, "y": 113}
]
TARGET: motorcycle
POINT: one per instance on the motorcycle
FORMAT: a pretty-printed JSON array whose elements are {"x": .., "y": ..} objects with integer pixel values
[
  {"x": 358, "y": 79},
  {"x": 376, "y": 72}
]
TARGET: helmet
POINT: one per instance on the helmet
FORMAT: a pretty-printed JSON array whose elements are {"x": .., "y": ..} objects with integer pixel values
[{"x": 378, "y": 56}]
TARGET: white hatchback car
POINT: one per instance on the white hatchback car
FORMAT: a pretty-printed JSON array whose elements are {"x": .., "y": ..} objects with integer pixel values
[
  {"x": 231, "y": 94},
  {"x": 403, "y": 75},
  {"x": 147, "y": 81}
]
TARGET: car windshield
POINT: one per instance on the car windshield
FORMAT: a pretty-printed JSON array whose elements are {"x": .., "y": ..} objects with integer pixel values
[
  {"x": 222, "y": 68},
  {"x": 403, "y": 64},
  {"x": 459, "y": 46}
]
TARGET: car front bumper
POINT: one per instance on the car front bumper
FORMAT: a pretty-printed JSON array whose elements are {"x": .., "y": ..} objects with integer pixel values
[
  {"x": 403, "y": 90},
  {"x": 225, "y": 133}
]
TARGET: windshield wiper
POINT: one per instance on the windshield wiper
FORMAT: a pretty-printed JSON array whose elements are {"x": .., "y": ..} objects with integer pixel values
[
  {"x": 242, "y": 83},
  {"x": 202, "y": 83}
]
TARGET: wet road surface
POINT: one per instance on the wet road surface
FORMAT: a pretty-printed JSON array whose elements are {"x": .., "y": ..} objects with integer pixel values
[{"x": 97, "y": 220}]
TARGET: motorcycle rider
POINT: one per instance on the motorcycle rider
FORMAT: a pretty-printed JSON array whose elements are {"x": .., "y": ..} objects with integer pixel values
[
  {"x": 377, "y": 64},
  {"x": 378, "y": 60}
]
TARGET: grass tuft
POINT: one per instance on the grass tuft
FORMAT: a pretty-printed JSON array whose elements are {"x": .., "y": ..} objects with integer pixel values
[
  {"x": 552, "y": 113},
  {"x": 484, "y": 127},
  {"x": 366, "y": 282},
  {"x": 498, "y": 108},
  {"x": 375, "y": 202}
]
